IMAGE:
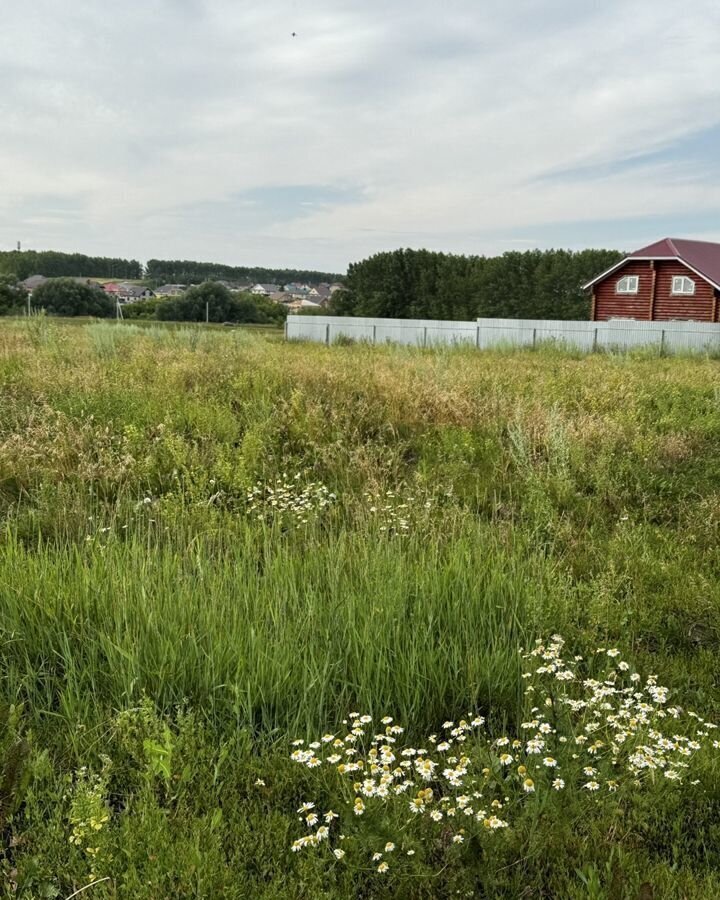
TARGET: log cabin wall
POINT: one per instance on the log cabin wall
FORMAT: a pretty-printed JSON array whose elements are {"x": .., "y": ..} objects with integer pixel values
[{"x": 611, "y": 305}]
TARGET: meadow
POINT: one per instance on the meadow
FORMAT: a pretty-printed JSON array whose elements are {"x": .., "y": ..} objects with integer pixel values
[{"x": 216, "y": 545}]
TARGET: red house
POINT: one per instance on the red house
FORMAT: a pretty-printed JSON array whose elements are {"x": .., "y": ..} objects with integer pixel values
[{"x": 671, "y": 279}]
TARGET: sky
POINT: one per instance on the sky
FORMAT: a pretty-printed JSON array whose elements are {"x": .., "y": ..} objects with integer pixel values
[{"x": 203, "y": 129}]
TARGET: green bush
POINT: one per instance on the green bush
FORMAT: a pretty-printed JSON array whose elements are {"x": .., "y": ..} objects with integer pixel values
[
  {"x": 68, "y": 297},
  {"x": 12, "y": 296},
  {"x": 143, "y": 309},
  {"x": 215, "y": 302}
]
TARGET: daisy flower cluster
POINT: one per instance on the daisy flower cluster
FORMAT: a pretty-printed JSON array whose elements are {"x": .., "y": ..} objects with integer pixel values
[
  {"x": 594, "y": 735},
  {"x": 287, "y": 498},
  {"x": 395, "y": 513},
  {"x": 617, "y": 724}
]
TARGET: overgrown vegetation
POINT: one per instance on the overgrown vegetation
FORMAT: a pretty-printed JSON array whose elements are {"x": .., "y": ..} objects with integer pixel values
[{"x": 215, "y": 543}]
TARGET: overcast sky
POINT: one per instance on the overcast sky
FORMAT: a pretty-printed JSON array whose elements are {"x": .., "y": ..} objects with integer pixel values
[{"x": 203, "y": 129}]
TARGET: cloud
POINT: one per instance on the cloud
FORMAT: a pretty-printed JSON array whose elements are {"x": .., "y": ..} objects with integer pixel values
[{"x": 203, "y": 129}]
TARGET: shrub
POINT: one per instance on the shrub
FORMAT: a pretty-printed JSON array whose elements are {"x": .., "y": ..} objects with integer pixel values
[
  {"x": 143, "y": 309},
  {"x": 214, "y": 302},
  {"x": 67, "y": 297},
  {"x": 12, "y": 295}
]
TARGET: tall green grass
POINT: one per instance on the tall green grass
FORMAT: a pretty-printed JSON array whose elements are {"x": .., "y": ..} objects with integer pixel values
[
  {"x": 267, "y": 631},
  {"x": 143, "y": 604}
]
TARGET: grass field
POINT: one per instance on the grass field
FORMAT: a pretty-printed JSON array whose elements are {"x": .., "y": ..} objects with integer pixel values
[{"x": 215, "y": 543}]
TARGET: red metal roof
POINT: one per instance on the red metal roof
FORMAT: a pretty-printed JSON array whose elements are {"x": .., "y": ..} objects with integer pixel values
[{"x": 702, "y": 256}]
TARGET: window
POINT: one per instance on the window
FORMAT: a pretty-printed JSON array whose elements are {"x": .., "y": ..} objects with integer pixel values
[
  {"x": 628, "y": 285},
  {"x": 682, "y": 285}
]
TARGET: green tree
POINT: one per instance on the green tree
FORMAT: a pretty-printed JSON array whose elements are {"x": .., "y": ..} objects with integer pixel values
[
  {"x": 210, "y": 298},
  {"x": 12, "y": 295},
  {"x": 143, "y": 309},
  {"x": 220, "y": 305},
  {"x": 418, "y": 284},
  {"x": 67, "y": 297}
]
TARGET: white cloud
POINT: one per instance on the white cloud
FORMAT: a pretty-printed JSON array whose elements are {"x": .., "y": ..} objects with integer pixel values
[{"x": 434, "y": 124}]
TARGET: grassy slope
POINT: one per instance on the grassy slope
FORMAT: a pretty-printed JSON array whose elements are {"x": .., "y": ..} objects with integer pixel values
[{"x": 563, "y": 494}]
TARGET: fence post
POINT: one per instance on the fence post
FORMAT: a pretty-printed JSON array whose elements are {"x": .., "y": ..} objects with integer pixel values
[
  {"x": 477, "y": 338},
  {"x": 425, "y": 336},
  {"x": 662, "y": 341},
  {"x": 327, "y": 334},
  {"x": 595, "y": 341},
  {"x": 286, "y": 329},
  {"x": 374, "y": 335},
  {"x": 534, "y": 337}
]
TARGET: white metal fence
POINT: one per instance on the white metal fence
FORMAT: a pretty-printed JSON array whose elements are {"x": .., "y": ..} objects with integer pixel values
[{"x": 618, "y": 334}]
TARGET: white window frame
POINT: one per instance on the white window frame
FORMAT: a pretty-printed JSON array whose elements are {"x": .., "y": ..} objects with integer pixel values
[
  {"x": 682, "y": 279},
  {"x": 633, "y": 280}
]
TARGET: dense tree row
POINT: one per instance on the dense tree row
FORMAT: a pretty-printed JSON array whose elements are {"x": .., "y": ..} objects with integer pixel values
[
  {"x": 420, "y": 284},
  {"x": 183, "y": 271},
  {"x": 53, "y": 264}
]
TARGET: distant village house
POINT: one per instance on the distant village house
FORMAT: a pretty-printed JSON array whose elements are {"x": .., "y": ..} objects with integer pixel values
[
  {"x": 170, "y": 290},
  {"x": 128, "y": 293},
  {"x": 265, "y": 290},
  {"x": 29, "y": 284}
]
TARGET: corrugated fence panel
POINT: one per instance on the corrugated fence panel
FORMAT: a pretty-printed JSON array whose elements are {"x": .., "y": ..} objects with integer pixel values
[
  {"x": 614, "y": 335},
  {"x": 572, "y": 338},
  {"x": 305, "y": 328},
  {"x": 618, "y": 334},
  {"x": 690, "y": 340},
  {"x": 349, "y": 329},
  {"x": 455, "y": 333},
  {"x": 398, "y": 333}
]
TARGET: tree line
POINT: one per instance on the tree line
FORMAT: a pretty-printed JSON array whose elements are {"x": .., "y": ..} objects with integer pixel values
[
  {"x": 421, "y": 284},
  {"x": 398, "y": 284},
  {"x": 184, "y": 271},
  {"x": 53, "y": 264}
]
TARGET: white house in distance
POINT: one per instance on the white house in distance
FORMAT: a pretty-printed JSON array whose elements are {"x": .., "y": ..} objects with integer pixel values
[{"x": 265, "y": 290}]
